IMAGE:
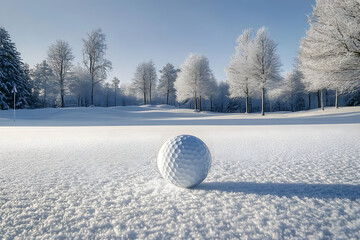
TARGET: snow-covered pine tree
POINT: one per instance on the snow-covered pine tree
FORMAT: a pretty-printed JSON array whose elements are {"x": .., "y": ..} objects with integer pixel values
[
  {"x": 193, "y": 79},
  {"x": 12, "y": 71},
  {"x": 264, "y": 66},
  {"x": 166, "y": 82}
]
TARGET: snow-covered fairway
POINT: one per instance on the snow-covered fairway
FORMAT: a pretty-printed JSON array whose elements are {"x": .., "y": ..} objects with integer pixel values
[{"x": 288, "y": 175}]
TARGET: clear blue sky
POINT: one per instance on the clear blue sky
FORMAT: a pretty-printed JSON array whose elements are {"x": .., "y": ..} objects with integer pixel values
[{"x": 161, "y": 30}]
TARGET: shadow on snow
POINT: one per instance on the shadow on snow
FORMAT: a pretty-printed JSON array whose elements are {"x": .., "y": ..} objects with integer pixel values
[{"x": 301, "y": 190}]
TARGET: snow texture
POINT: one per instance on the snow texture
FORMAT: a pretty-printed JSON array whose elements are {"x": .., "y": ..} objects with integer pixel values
[{"x": 283, "y": 176}]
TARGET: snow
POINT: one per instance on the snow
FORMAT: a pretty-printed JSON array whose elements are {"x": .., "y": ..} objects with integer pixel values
[
  {"x": 162, "y": 115},
  {"x": 89, "y": 173}
]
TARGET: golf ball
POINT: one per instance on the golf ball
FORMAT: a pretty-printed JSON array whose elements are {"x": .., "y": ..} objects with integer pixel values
[{"x": 184, "y": 161}]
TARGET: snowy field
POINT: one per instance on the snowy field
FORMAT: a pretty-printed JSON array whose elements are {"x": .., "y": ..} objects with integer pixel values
[{"x": 88, "y": 173}]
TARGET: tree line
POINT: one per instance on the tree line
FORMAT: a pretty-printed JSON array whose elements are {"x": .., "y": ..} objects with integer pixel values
[{"x": 326, "y": 68}]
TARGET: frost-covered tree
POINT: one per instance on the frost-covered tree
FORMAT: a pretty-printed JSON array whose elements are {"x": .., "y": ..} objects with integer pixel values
[
  {"x": 313, "y": 56},
  {"x": 166, "y": 81},
  {"x": 213, "y": 91},
  {"x": 193, "y": 80},
  {"x": 12, "y": 72},
  {"x": 129, "y": 94},
  {"x": 293, "y": 90},
  {"x": 144, "y": 80},
  {"x": 115, "y": 83},
  {"x": 140, "y": 81},
  {"x": 60, "y": 59},
  {"x": 80, "y": 85},
  {"x": 223, "y": 96},
  {"x": 264, "y": 66},
  {"x": 94, "y": 58},
  {"x": 330, "y": 52},
  {"x": 152, "y": 78},
  {"x": 107, "y": 89},
  {"x": 44, "y": 85},
  {"x": 238, "y": 72}
]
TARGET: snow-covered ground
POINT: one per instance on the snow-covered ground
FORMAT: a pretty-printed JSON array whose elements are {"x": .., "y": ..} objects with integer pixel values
[{"x": 89, "y": 173}]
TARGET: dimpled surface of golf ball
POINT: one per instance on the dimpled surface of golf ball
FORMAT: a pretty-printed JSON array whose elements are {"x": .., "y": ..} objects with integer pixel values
[{"x": 184, "y": 161}]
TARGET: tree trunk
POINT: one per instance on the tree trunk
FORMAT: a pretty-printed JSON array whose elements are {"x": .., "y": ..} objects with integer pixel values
[
  {"x": 195, "y": 102},
  {"x": 322, "y": 99},
  {"x": 200, "y": 104},
  {"x": 92, "y": 95},
  {"x": 167, "y": 97},
  {"x": 92, "y": 89},
  {"x": 309, "y": 100},
  {"x": 62, "y": 99},
  {"x": 115, "y": 96},
  {"x": 318, "y": 96},
  {"x": 144, "y": 97},
  {"x": 150, "y": 93},
  {"x": 247, "y": 103},
  {"x": 263, "y": 102},
  {"x": 62, "y": 92},
  {"x": 44, "y": 103},
  {"x": 336, "y": 99},
  {"x": 62, "y": 86},
  {"x": 326, "y": 97}
]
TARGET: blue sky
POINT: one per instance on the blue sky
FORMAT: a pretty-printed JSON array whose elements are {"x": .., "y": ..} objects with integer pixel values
[{"x": 161, "y": 30}]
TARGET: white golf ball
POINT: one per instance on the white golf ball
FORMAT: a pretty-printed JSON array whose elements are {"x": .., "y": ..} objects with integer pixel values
[{"x": 184, "y": 161}]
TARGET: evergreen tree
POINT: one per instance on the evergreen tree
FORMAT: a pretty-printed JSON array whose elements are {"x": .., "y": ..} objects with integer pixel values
[{"x": 12, "y": 72}]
